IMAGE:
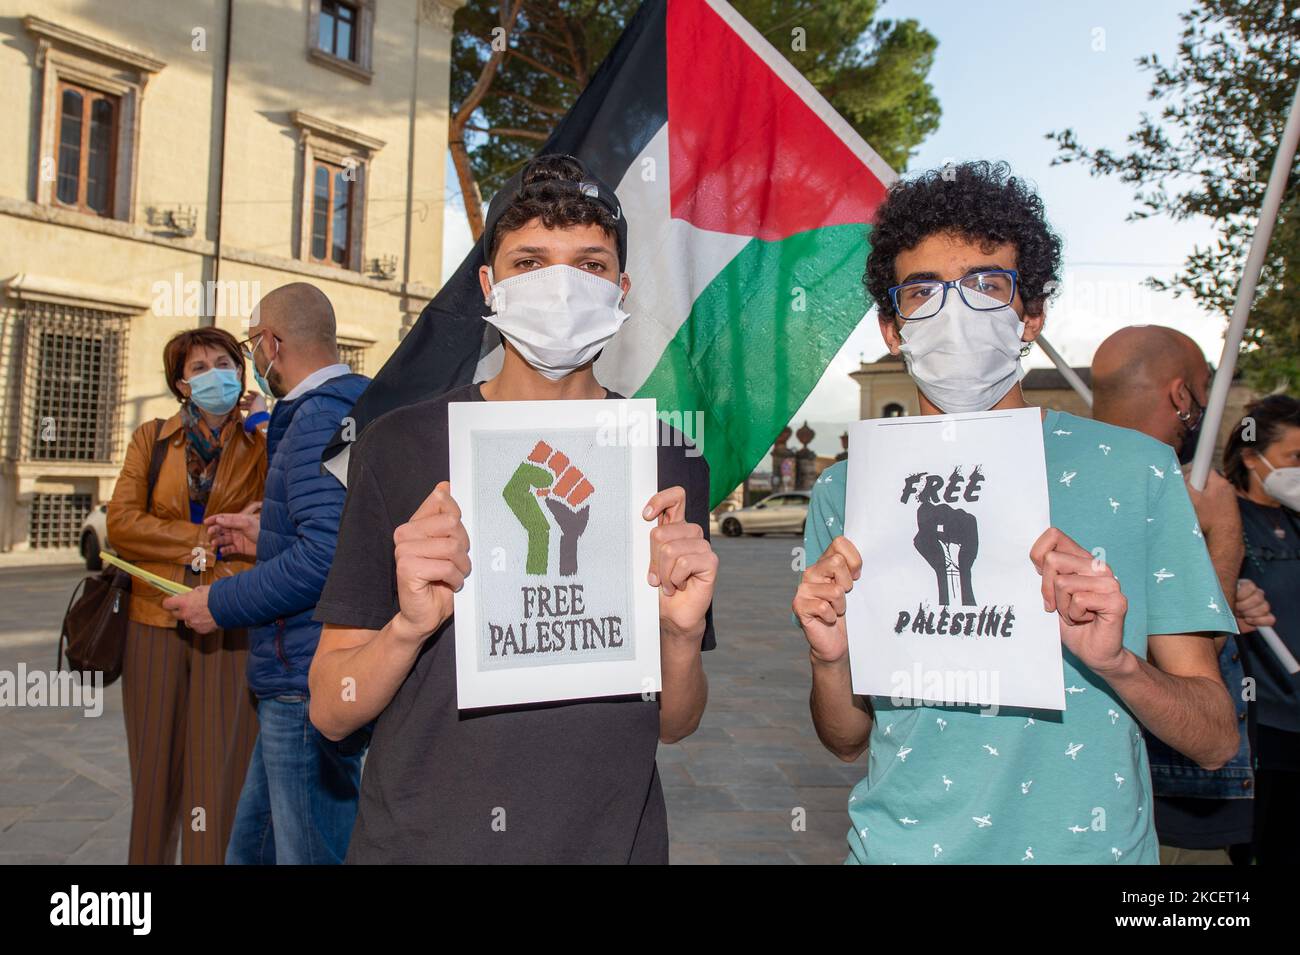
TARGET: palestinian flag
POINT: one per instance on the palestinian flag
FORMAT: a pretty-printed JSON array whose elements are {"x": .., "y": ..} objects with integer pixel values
[{"x": 749, "y": 202}]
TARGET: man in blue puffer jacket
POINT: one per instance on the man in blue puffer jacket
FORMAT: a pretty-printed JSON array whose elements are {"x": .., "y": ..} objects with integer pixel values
[{"x": 299, "y": 799}]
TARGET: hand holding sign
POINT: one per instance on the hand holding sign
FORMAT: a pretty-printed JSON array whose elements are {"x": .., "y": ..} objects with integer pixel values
[
  {"x": 682, "y": 564},
  {"x": 1086, "y": 595},
  {"x": 431, "y": 552},
  {"x": 819, "y": 602}
]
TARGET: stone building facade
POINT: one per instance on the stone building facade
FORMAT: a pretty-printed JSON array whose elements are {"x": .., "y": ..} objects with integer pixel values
[{"x": 166, "y": 163}]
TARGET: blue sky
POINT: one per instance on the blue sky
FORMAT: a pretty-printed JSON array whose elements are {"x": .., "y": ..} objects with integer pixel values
[{"x": 1007, "y": 72}]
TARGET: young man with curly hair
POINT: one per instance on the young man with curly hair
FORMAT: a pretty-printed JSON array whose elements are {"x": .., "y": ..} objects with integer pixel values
[{"x": 960, "y": 265}]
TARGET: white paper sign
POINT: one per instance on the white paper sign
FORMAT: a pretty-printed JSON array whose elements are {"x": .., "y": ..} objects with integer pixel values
[
  {"x": 948, "y": 609},
  {"x": 557, "y": 606}
]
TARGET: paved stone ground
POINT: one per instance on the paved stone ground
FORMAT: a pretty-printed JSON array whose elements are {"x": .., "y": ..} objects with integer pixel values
[
  {"x": 733, "y": 786},
  {"x": 736, "y": 789},
  {"x": 64, "y": 788}
]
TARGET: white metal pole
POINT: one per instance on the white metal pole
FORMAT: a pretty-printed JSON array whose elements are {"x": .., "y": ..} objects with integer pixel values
[
  {"x": 1280, "y": 650},
  {"x": 1069, "y": 374}
]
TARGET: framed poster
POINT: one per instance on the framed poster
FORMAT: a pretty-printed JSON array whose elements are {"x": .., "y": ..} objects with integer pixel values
[
  {"x": 556, "y": 606},
  {"x": 949, "y": 608}
]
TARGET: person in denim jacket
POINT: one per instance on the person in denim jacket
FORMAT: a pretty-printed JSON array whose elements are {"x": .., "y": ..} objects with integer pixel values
[{"x": 1262, "y": 460}]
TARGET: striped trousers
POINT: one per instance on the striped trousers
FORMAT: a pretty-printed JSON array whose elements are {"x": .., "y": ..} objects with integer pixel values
[{"x": 191, "y": 725}]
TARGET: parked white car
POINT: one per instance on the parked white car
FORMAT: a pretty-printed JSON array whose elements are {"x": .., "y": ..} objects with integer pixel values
[
  {"x": 94, "y": 537},
  {"x": 780, "y": 513}
]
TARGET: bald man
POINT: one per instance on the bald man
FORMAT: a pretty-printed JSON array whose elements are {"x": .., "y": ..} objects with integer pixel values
[
  {"x": 294, "y": 337},
  {"x": 1156, "y": 380},
  {"x": 1152, "y": 379},
  {"x": 299, "y": 800}
]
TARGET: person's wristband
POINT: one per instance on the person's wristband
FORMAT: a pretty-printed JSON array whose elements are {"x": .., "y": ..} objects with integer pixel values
[{"x": 253, "y": 420}]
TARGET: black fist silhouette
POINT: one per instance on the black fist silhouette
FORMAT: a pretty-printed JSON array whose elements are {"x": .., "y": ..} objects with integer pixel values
[{"x": 948, "y": 539}]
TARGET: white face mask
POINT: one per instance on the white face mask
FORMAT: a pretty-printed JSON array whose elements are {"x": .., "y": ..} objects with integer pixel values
[
  {"x": 962, "y": 359},
  {"x": 1283, "y": 484},
  {"x": 558, "y": 318}
]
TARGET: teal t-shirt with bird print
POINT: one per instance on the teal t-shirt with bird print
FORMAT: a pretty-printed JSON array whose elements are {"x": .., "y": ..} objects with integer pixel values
[{"x": 946, "y": 784}]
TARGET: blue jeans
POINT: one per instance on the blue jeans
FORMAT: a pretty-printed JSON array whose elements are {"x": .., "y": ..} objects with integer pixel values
[{"x": 300, "y": 797}]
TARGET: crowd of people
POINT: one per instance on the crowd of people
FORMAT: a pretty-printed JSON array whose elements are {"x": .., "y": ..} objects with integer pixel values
[{"x": 319, "y": 631}]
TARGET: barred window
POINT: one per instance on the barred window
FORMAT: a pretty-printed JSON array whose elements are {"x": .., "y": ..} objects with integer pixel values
[
  {"x": 354, "y": 356},
  {"x": 56, "y": 520},
  {"x": 73, "y": 383}
]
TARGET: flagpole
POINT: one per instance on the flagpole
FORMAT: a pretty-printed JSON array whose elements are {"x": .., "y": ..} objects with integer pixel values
[
  {"x": 1069, "y": 374},
  {"x": 1218, "y": 399}
]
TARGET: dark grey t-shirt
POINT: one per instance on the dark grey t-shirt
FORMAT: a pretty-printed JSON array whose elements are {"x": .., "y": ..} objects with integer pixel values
[{"x": 560, "y": 783}]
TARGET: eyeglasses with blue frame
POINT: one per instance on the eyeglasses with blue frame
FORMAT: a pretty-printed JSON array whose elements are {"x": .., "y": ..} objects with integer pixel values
[{"x": 925, "y": 298}]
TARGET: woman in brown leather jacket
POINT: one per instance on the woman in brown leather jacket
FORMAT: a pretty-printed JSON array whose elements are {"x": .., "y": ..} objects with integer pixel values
[{"x": 190, "y": 719}]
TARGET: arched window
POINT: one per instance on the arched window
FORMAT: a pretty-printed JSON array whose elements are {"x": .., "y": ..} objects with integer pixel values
[{"x": 894, "y": 410}]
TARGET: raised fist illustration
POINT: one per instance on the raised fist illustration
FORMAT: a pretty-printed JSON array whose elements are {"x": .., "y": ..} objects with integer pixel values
[
  {"x": 548, "y": 474},
  {"x": 948, "y": 539}
]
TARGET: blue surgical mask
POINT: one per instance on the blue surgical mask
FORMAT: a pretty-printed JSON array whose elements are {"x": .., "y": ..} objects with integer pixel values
[
  {"x": 263, "y": 383},
  {"x": 964, "y": 359},
  {"x": 216, "y": 391},
  {"x": 260, "y": 377}
]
